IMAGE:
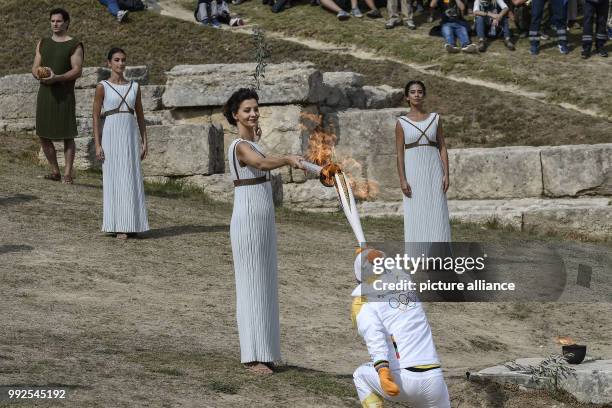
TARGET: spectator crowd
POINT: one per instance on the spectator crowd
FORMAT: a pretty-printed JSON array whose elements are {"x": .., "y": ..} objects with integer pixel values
[{"x": 487, "y": 19}]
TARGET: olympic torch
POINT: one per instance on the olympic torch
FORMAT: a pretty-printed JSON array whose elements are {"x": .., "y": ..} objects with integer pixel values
[{"x": 331, "y": 175}]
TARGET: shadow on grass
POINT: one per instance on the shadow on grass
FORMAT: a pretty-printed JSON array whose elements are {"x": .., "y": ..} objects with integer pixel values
[
  {"x": 17, "y": 199},
  {"x": 5, "y": 249},
  {"x": 183, "y": 230},
  {"x": 315, "y": 381}
]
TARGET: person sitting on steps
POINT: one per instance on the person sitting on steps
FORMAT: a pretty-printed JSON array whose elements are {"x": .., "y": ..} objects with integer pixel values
[
  {"x": 490, "y": 15},
  {"x": 454, "y": 26}
]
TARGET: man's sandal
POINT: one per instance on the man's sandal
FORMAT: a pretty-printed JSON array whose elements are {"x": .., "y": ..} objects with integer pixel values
[
  {"x": 68, "y": 180},
  {"x": 52, "y": 177},
  {"x": 122, "y": 236}
]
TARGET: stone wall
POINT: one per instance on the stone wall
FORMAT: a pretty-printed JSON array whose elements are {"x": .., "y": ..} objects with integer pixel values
[
  {"x": 189, "y": 137},
  {"x": 18, "y": 107}
]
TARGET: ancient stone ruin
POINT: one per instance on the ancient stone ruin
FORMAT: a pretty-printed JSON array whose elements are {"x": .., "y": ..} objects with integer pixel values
[{"x": 545, "y": 188}]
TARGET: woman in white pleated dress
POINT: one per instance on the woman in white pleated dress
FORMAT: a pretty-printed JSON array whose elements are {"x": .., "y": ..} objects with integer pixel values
[
  {"x": 422, "y": 164},
  {"x": 121, "y": 146},
  {"x": 253, "y": 235}
]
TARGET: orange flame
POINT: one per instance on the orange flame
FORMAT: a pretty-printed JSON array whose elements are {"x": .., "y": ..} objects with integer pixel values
[
  {"x": 321, "y": 151},
  {"x": 564, "y": 340},
  {"x": 363, "y": 189},
  {"x": 327, "y": 174}
]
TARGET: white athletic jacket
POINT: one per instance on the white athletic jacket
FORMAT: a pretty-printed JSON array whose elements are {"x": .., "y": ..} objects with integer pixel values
[{"x": 397, "y": 332}]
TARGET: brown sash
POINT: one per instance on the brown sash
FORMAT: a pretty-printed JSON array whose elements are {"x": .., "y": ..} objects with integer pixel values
[
  {"x": 417, "y": 144},
  {"x": 251, "y": 181},
  {"x": 123, "y": 101}
]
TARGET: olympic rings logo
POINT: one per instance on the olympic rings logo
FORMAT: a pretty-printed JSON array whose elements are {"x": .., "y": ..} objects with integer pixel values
[{"x": 403, "y": 301}]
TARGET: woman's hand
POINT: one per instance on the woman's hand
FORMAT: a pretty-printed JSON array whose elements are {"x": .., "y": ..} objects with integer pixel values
[
  {"x": 445, "y": 183},
  {"x": 406, "y": 188},
  {"x": 143, "y": 151},
  {"x": 99, "y": 153},
  {"x": 295, "y": 161}
]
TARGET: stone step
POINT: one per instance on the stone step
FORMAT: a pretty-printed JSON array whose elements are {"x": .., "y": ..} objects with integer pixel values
[
  {"x": 586, "y": 216},
  {"x": 591, "y": 382}
]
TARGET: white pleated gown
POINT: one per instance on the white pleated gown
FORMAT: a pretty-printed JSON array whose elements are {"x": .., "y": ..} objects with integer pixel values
[
  {"x": 122, "y": 182},
  {"x": 253, "y": 236},
  {"x": 426, "y": 212}
]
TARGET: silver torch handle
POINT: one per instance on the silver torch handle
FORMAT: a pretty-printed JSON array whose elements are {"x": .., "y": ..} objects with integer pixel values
[{"x": 312, "y": 168}]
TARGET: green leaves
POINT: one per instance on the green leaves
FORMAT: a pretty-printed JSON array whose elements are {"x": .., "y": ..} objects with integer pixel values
[{"x": 262, "y": 52}]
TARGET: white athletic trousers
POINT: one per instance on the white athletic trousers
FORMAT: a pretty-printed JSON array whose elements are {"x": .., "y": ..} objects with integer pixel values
[{"x": 420, "y": 390}]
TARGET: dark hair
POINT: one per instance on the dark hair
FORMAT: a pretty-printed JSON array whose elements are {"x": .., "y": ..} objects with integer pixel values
[
  {"x": 414, "y": 82},
  {"x": 61, "y": 11},
  {"x": 233, "y": 103},
  {"x": 114, "y": 51}
]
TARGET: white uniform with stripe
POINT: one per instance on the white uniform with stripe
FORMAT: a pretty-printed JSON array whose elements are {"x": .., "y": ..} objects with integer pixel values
[
  {"x": 122, "y": 182},
  {"x": 381, "y": 325}
]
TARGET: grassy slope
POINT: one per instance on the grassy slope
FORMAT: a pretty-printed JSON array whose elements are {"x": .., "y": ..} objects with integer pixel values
[
  {"x": 475, "y": 116},
  {"x": 563, "y": 78}
]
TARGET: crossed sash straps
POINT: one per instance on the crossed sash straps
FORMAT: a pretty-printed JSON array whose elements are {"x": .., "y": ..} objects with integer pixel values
[
  {"x": 417, "y": 144},
  {"x": 250, "y": 181},
  {"x": 123, "y": 101}
]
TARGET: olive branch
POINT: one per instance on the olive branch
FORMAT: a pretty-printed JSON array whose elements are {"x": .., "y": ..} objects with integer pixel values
[
  {"x": 262, "y": 53},
  {"x": 549, "y": 372}
]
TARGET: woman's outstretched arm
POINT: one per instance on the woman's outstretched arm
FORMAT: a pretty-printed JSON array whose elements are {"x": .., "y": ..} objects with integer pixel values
[{"x": 250, "y": 157}]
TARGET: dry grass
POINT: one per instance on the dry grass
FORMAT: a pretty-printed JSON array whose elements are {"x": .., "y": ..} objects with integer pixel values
[{"x": 150, "y": 322}]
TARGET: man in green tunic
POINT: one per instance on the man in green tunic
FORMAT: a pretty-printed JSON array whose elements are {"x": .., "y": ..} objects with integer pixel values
[{"x": 62, "y": 55}]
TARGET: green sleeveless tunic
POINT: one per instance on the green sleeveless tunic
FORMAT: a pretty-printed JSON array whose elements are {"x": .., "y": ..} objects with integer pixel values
[{"x": 55, "y": 105}]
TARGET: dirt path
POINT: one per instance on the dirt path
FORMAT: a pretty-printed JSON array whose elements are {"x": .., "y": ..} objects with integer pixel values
[
  {"x": 150, "y": 322},
  {"x": 174, "y": 9}
]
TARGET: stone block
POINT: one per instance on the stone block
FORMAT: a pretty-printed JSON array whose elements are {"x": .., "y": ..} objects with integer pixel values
[
  {"x": 383, "y": 96},
  {"x": 18, "y": 105},
  {"x": 151, "y": 96},
  {"x": 505, "y": 172},
  {"x": 339, "y": 88},
  {"x": 366, "y": 145},
  {"x": 138, "y": 73},
  {"x": 212, "y": 84},
  {"x": 18, "y": 125},
  {"x": 90, "y": 76},
  {"x": 84, "y": 102},
  {"x": 591, "y": 382},
  {"x": 184, "y": 150},
  {"x": 591, "y": 222},
  {"x": 343, "y": 90},
  {"x": 84, "y": 158},
  {"x": 218, "y": 186},
  {"x": 310, "y": 196},
  {"x": 577, "y": 170},
  {"x": 18, "y": 84}
]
